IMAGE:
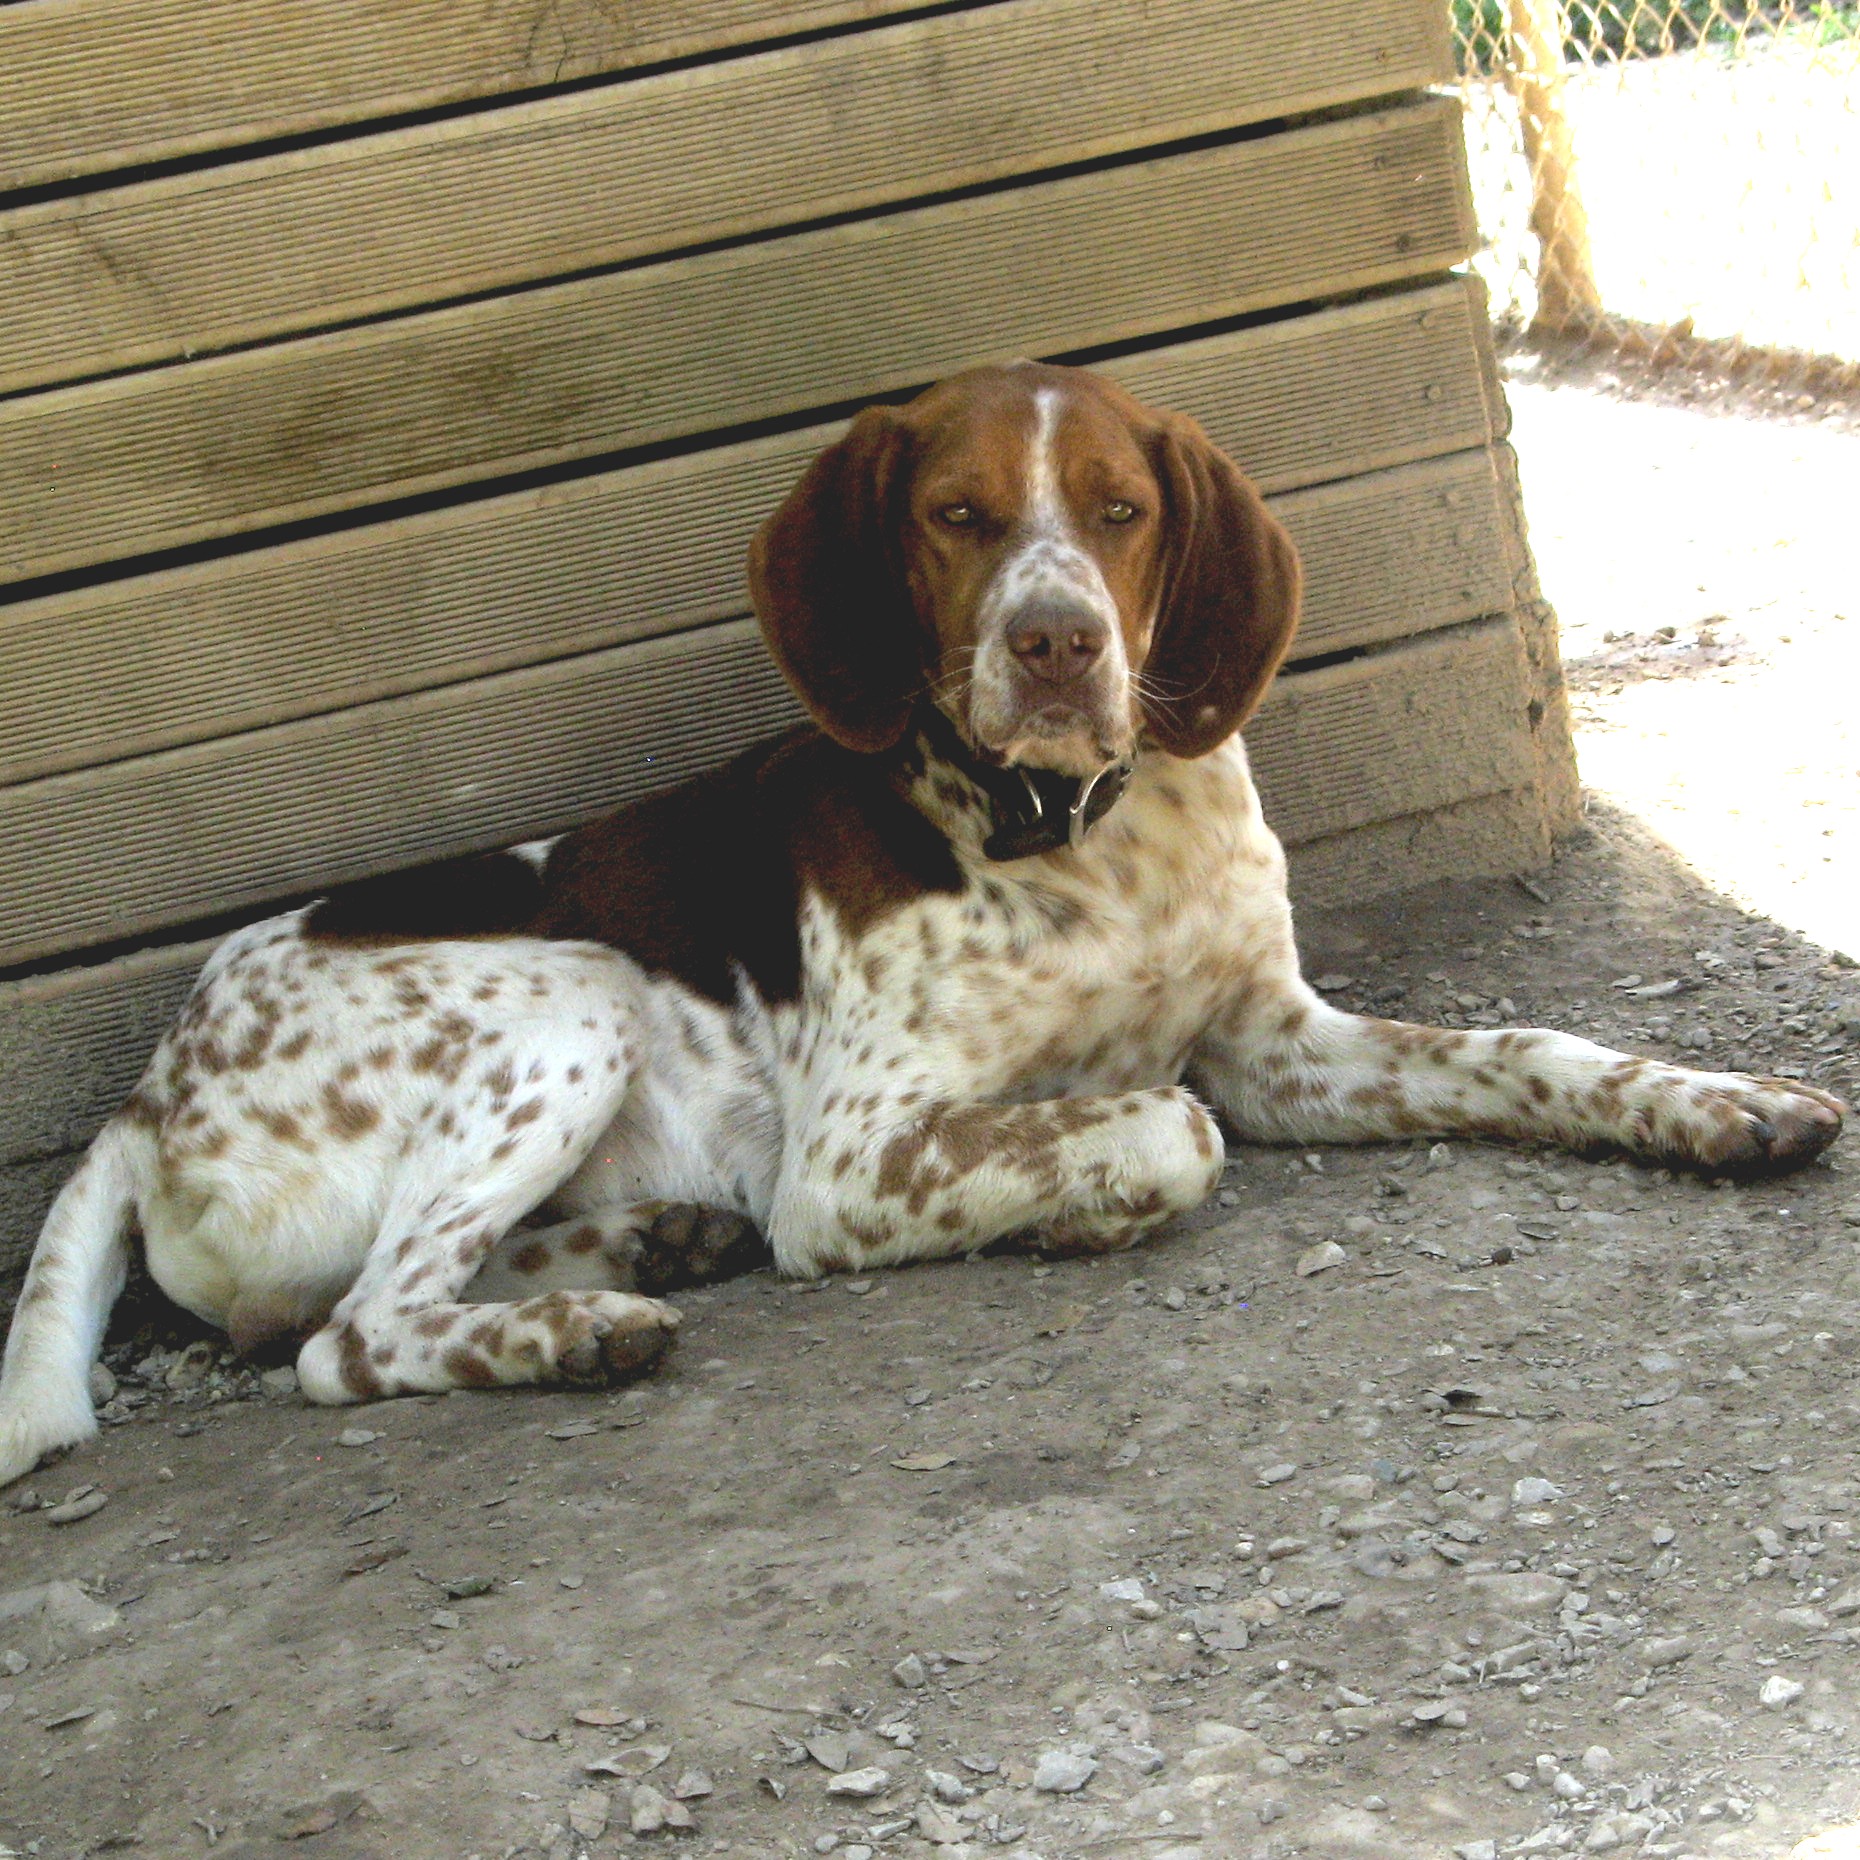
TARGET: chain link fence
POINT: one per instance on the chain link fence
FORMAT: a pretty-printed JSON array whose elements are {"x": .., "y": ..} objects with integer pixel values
[{"x": 1677, "y": 180}]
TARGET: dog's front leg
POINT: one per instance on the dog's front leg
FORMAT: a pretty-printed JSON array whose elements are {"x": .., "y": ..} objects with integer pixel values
[
  {"x": 1283, "y": 1065},
  {"x": 1080, "y": 1173}
]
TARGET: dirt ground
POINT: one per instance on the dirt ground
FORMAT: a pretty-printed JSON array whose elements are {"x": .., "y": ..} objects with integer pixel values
[{"x": 1410, "y": 1502}]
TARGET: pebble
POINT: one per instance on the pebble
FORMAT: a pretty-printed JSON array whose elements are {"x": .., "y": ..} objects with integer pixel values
[
  {"x": 190, "y": 1368},
  {"x": 1124, "y": 1589},
  {"x": 588, "y": 1810},
  {"x": 1063, "y": 1772},
  {"x": 1535, "y": 1492},
  {"x": 279, "y": 1382},
  {"x": 1778, "y": 1693},
  {"x": 860, "y": 1783},
  {"x": 650, "y": 1811},
  {"x": 84, "y": 1502},
  {"x": 692, "y": 1784},
  {"x": 1668, "y": 1651},
  {"x": 1603, "y": 1837},
  {"x": 1477, "y": 1850},
  {"x": 102, "y": 1385},
  {"x": 1524, "y": 1592},
  {"x": 1319, "y": 1258},
  {"x": 1598, "y": 1761},
  {"x": 911, "y": 1672},
  {"x": 1438, "y": 1711},
  {"x": 357, "y": 1437},
  {"x": 947, "y": 1788},
  {"x": 937, "y": 1825},
  {"x": 1277, "y": 1475}
]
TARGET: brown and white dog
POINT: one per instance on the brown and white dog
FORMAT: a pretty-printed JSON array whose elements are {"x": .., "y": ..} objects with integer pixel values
[{"x": 988, "y": 952}]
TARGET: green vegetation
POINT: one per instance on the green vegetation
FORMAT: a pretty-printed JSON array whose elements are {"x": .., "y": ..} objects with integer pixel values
[{"x": 1602, "y": 31}]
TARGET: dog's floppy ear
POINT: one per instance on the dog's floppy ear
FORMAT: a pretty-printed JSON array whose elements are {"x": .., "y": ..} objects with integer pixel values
[
  {"x": 1229, "y": 603},
  {"x": 829, "y": 588}
]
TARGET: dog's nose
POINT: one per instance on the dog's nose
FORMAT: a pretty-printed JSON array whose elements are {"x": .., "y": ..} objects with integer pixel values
[{"x": 1056, "y": 642}]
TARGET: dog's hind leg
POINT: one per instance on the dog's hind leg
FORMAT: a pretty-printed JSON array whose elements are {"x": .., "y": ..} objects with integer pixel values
[{"x": 506, "y": 1145}]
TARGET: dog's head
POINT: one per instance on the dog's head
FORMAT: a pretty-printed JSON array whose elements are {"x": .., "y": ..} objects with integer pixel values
[{"x": 1064, "y": 572}]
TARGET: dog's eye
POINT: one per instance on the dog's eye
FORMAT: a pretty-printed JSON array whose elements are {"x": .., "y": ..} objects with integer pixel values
[
  {"x": 1117, "y": 511},
  {"x": 957, "y": 515}
]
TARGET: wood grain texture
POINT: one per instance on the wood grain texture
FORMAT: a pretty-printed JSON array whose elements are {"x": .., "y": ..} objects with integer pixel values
[
  {"x": 326, "y": 423},
  {"x": 1420, "y": 725},
  {"x": 253, "y": 250},
  {"x": 114, "y": 671},
  {"x": 1491, "y": 836},
  {"x": 100, "y": 84}
]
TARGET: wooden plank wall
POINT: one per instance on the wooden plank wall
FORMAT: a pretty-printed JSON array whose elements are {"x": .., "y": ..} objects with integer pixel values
[{"x": 387, "y": 397}]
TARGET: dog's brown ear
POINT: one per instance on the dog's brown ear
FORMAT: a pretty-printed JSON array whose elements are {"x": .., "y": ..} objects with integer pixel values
[
  {"x": 830, "y": 592},
  {"x": 1229, "y": 603}
]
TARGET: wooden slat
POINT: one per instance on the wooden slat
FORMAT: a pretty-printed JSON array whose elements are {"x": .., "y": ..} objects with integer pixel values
[
  {"x": 327, "y": 423},
  {"x": 72, "y": 1044},
  {"x": 99, "y": 84},
  {"x": 1491, "y": 836},
  {"x": 257, "y": 249},
  {"x": 1400, "y": 552},
  {"x": 114, "y": 671},
  {"x": 1420, "y": 725},
  {"x": 226, "y": 824}
]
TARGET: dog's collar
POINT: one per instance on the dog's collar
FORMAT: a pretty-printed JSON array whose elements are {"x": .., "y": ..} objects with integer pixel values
[{"x": 1030, "y": 810}]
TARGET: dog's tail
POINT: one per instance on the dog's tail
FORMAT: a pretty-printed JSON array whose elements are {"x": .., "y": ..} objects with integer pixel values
[{"x": 77, "y": 1271}]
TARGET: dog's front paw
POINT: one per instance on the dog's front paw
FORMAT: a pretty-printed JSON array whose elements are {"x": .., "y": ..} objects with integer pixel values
[{"x": 1729, "y": 1124}]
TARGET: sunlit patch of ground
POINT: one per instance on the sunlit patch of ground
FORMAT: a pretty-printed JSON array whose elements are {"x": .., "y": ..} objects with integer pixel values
[{"x": 1706, "y": 572}]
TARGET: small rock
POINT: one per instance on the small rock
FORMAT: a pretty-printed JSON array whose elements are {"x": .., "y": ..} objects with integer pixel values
[
  {"x": 1319, "y": 1258},
  {"x": 1663, "y": 1534},
  {"x": 1603, "y": 1837},
  {"x": 278, "y": 1382},
  {"x": 937, "y": 1825},
  {"x": 1598, "y": 1761},
  {"x": 1535, "y": 1492},
  {"x": 13, "y": 1663},
  {"x": 947, "y": 1788},
  {"x": 649, "y": 1811},
  {"x": 1668, "y": 1651},
  {"x": 1516, "y": 1779},
  {"x": 830, "y": 1750},
  {"x": 1277, "y": 1475},
  {"x": 1477, "y": 1850},
  {"x": 1778, "y": 1693},
  {"x": 1565, "y": 1786},
  {"x": 692, "y": 1784},
  {"x": 1438, "y": 1711},
  {"x": 357, "y": 1437},
  {"x": 1174, "y": 1299},
  {"x": 1521, "y": 1592},
  {"x": 588, "y": 1810},
  {"x": 84, "y": 1502},
  {"x": 102, "y": 1385},
  {"x": 444, "y": 1618},
  {"x": 860, "y": 1783},
  {"x": 1063, "y": 1772},
  {"x": 1124, "y": 1589},
  {"x": 910, "y": 1672}
]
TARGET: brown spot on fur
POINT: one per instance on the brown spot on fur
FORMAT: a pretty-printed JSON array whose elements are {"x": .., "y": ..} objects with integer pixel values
[
  {"x": 346, "y": 1117},
  {"x": 358, "y": 1374},
  {"x": 468, "y": 1369},
  {"x": 437, "y": 1322},
  {"x": 525, "y": 1113},
  {"x": 583, "y": 1240},
  {"x": 530, "y": 1258},
  {"x": 296, "y": 1046}
]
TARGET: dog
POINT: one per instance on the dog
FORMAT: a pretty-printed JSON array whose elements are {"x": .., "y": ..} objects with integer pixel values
[{"x": 994, "y": 947}]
